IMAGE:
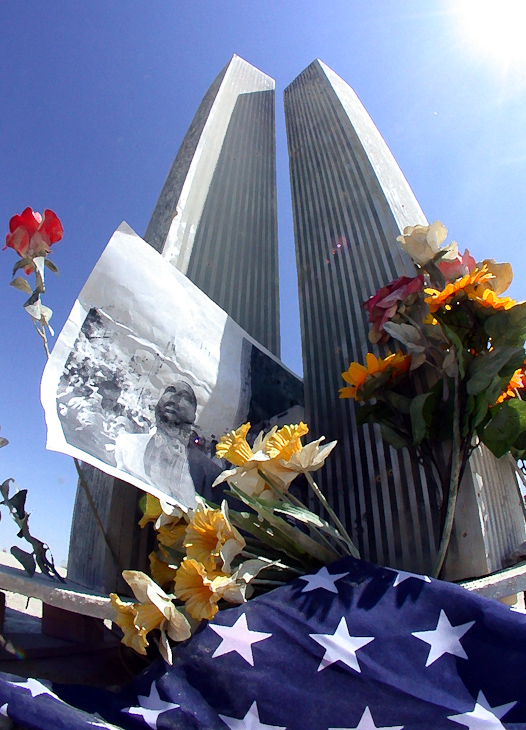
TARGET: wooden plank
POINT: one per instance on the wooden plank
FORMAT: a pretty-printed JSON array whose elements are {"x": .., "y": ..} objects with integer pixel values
[
  {"x": 70, "y": 626},
  {"x": 500, "y": 584},
  {"x": 90, "y": 563},
  {"x": 68, "y": 596}
]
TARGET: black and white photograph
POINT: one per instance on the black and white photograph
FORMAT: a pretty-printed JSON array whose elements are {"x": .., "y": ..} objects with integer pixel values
[{"x": 148, "y": 373}]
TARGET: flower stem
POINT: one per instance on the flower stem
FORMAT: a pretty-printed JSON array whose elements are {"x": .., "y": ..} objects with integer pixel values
[
  {"x": 454, "y": 479},
  {"x": 317, "y": 491},
  {"x": 287, "y": 497}
]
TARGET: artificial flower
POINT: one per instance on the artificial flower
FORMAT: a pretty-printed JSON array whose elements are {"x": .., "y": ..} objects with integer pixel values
[
  {"x": 457, "y": 267},
  {"x": 161, "y": 572},
  {"x": 152, "y": 511},
  {"x": 309, "y": 458},
  {"x": 383, "y": 305},
  {"x": 488, "y": 298},
  {"x": 200, "y": 589},
  {"x": 437, "y": 299},
  {"x": 234, "y": 446},
  {"x": 502, "y": 275},
  {"x": 358, "y": 374},
  {"x": 211, "y": 538},
  {"x": 31, "y": 235},
  {"x": 248, "y": 462},
  {"x": 155, "y": 610},
  {"x": 172, "y": 536},
  {"x": 423, "y": 243},
  {"x": 284, "y": 443},
  {"x": 517, "y": 382}
]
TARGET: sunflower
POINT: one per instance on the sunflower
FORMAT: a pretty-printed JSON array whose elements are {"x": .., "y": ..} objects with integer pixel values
[
  {"x": 358, "y": 374},
  {"x": 467, "y": 284},
  {"x": 517, "y": 382}
]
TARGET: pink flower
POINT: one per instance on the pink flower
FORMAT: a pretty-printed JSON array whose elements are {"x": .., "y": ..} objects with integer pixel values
[
  {"x": 458, "y": 267},
  {"x": 31, "y": 234},
  {"x": 383, "y": 305}
]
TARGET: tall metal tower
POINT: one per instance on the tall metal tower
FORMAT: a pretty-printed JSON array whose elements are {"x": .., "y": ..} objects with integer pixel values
[
  {"x": 350, "y": 202},
  {"x": 216, "y": 221},
  {"x": 216, "y": 217}
]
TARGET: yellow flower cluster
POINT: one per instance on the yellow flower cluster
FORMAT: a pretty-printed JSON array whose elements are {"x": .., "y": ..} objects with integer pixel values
[
  {"x": 357, "y": 375},
  {"x": 517, "y": 382},
  {"x": 277, "y": 457},
  {"x": 208, "y": 542},
  {"x": 478, "y": 286}
]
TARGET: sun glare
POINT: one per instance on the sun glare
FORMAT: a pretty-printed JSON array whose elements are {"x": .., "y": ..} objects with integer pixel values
[{"x": 496, "y": 29}]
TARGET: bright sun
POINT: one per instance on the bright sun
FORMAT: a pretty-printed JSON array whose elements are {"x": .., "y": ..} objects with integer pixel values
[{"x": 496, "y": 28}]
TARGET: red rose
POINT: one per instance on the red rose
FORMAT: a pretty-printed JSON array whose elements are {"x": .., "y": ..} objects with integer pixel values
[
  {"x": 383, "y": 305},
  {"x": 32, "y": 235}
]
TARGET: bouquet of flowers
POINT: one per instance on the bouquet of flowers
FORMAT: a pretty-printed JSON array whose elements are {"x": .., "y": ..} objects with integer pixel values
[
  {"x": 457, "y": 384},
  {"x": 213, "y": 556}
]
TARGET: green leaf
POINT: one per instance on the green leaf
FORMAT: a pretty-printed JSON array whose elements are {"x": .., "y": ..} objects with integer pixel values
[
  {"x": 51, "y": 266},
  {"x": 3, "y": 441},
  {"x": 397, "y": 402},
  {"x": 507, "y": 326},
  {"x": 393, "y": 437},
  {"x": 310, "y": 546},
  {"x": 302, "y": 514},
  {"x": 22, "y": 285},
  {"x": 372, "y": 413},
  {"x": 421, "y": 412},
  {"x": 263, "y": 532},
  {"x": 459, "y": 347},
  {"x": 507, "y": 424},
  {"x": 490, "y": 363},
  {"x": 481, "y": 408},
  {"x": 21, "y": 263},
  {"x": 373, "y": 384}
]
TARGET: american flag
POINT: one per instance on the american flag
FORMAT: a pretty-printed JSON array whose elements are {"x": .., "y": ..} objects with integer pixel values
[{"x": 351, "y": 647}]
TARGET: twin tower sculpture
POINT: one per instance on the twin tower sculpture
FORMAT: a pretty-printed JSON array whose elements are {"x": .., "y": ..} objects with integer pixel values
[{"x": 216, "y": 221}]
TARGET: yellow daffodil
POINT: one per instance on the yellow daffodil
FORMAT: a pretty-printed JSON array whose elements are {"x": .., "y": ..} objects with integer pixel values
[
  {"x": 161, "y": 572},
  {"x": 310, "y": 457},
  {"x": 172, "y": 536},
  {"x": 247, "y": 461},
  {"x": 159, "y": 512},
  {"x": 211, "y": 538},
  {"x": 234, "y": 446},
  {"x": 200, "y": 589},
  {"x": 358, "y": 374},
  {"x": 155, "y": 610},
  {"x": 285, "y": 442},
  {"x": 152, "y": 512}
]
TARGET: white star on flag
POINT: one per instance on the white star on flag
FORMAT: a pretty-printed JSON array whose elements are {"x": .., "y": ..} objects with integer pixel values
[
  {"x": 251, "y": 721},
  {"x": 402, "y": 575},
  {"x": 482, "y": 716},
  {"x": 445, "y": 639},
  {"x": 238, "y": 638},
  {"x": 367, "y": 723},
  {"x": 36, "y": 688},
  {"x": 3, "y": 710},
  {"x": 322, "y": 579},
  {"x": 151, "y": 707},
  {"x": 340, "y": 646}
]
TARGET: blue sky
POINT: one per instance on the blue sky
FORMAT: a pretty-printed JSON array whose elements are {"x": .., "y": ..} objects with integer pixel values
[{"x": 98, "y": 96}]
